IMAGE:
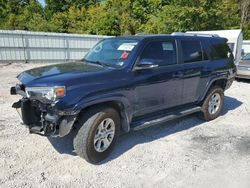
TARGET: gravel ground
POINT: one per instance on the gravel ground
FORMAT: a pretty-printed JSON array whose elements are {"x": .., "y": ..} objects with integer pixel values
[{"x": 183, "y": 153}]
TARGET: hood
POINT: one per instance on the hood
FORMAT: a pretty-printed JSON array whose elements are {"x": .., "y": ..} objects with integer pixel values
[{"x": 58, "y": 73}]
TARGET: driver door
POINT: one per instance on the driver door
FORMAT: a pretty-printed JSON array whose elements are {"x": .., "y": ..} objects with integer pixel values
[{"x": 158, "y": 88}]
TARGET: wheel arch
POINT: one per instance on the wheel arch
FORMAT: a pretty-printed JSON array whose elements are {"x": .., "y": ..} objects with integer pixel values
[
  {"x": 120, "y": 106},
  {"x": 221, "y": 82}
]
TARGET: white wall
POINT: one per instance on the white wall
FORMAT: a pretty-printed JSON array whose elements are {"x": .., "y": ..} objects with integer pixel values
[
  {"x": 246, "y": 46},
  {"x": 24, "y": 46}
]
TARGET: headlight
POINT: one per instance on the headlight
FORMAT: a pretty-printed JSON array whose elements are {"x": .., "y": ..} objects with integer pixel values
[{"x": 50, "y": 93}]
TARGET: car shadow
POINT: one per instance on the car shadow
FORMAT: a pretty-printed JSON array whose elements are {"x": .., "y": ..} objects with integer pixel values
[
  {"x": 64, "y": 145},
  {"x": 243, "y": 80},
  {"x": 127, "y": 141},
  {"x": 230, "y": 104}
]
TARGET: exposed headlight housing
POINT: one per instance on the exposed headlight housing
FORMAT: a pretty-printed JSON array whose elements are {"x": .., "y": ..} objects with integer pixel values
[{"x": 49, "y": 93}]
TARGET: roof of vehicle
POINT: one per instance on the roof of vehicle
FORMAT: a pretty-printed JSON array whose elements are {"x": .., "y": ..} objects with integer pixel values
[
  {"x": 177, "y": 35},
  {"x": 231, "y": 35}
]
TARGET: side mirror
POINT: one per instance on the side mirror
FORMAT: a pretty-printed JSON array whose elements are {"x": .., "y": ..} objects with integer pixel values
[{"x": 146, "y": 64}]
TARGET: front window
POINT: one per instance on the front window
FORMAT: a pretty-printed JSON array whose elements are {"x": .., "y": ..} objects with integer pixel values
[
  {"x": 161, "y": 52},
  {"x": 112, "y": 52}
]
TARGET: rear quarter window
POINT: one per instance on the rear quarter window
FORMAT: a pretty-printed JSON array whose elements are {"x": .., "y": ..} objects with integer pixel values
[{"x": 220, "y": 50}]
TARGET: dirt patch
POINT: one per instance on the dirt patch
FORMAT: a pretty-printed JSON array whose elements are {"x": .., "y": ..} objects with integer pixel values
[
  {"x": 243, "y": 146},
  {"x": 214, "y": 145}
]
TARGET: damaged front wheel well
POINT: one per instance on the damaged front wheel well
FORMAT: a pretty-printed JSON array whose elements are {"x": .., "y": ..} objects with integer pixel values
[{"x": 117, "y": 105}]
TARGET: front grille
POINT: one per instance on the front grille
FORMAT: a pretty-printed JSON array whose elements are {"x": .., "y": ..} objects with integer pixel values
[{"x": 30, "y": 114}]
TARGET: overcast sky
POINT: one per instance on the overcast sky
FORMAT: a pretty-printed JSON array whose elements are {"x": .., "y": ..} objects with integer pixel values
[{"x": 42, "y": 2}]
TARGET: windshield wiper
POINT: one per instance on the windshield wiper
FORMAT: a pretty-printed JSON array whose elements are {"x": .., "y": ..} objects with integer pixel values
[{"x": 96, "y": 62}]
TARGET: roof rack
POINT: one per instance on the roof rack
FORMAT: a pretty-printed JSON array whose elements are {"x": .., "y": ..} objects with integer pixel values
[
  {"x": 142, "y": 34},
  {"x": 145, "y": 34},
  {"x": 194, "y": 34}
]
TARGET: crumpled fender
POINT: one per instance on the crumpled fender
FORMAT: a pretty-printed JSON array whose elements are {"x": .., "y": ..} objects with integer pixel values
[{"x": 126, "y": 111}]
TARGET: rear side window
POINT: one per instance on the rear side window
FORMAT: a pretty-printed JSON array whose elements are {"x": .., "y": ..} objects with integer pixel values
[
  {"x": 162, "y": 52},
  {"x": 220, "y": 50},
  {"x": 191, "y": 50}
]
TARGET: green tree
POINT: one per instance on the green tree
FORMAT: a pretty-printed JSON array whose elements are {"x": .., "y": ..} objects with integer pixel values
[
  {"x": 55, "y": 6},
  {"x": 244, "y": 7},
  {"x": 125, "y": 17},
  {"x": 20, "y": 14},
  {"x": 101, "y": 22},
  {"x": 58, "y": 22},
  {"x": 185, "y": 15},
  {"x": 76, "y": 19},
  {"x": 31, "y": 17},
  {"x": 129, "y": 14}
]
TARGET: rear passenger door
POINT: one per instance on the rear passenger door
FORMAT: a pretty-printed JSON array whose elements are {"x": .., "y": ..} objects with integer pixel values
[{"x": 194, "y": 60}]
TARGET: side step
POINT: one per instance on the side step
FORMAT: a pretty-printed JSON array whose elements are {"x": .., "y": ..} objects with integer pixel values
[
  {"x": 148, "y": 122},
  {"x": 37, "y": 130}
]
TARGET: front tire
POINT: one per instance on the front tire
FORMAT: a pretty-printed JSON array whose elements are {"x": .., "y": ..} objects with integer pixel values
[
  {"x": 98, "y": 134},
  {"x": 213, "y": 103}
]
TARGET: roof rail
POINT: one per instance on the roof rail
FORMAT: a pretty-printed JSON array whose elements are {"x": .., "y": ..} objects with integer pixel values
[
  {"x": 141, "y": 34},
  {"x": 145, "y": 34},
  {"x": 194, "y": 34}
]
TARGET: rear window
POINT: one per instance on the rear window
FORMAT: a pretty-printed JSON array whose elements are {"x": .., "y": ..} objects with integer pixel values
[{"x": 220, "y": 50}]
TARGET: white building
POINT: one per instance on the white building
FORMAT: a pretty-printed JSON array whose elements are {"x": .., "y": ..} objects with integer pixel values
[{"x": 246, "y": 46}]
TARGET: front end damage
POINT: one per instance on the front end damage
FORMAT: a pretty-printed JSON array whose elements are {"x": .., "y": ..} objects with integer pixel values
[{"x": 41, "y": 117}]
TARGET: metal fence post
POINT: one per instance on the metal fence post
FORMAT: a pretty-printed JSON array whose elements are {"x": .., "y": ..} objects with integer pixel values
[
  {"x": 67, "y": 50},
  {"x": 24, "y": 48}
]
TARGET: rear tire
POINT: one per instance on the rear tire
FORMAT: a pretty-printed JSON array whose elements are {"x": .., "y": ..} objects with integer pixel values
[
  {"x": 100, "y": 128},
  {"x": 213, "y": 103}
]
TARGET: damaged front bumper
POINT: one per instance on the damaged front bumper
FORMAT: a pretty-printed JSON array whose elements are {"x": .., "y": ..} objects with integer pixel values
[{"x": 42, "y": 118}]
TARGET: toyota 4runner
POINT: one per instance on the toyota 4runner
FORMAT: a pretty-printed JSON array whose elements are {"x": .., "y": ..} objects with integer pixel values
[{"x": 124, "y": 84}]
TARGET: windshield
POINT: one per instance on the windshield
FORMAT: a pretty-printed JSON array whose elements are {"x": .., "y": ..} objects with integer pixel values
[
  {"x": 111, "y": 52},
  {"x": 247, "y": 57}
]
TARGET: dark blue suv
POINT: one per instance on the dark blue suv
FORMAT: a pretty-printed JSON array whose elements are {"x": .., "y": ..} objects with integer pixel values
[{"x": 123, "y": 84}]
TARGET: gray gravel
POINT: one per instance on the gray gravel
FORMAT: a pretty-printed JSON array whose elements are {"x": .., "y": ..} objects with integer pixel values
[{"x": 183, "y": 153}]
